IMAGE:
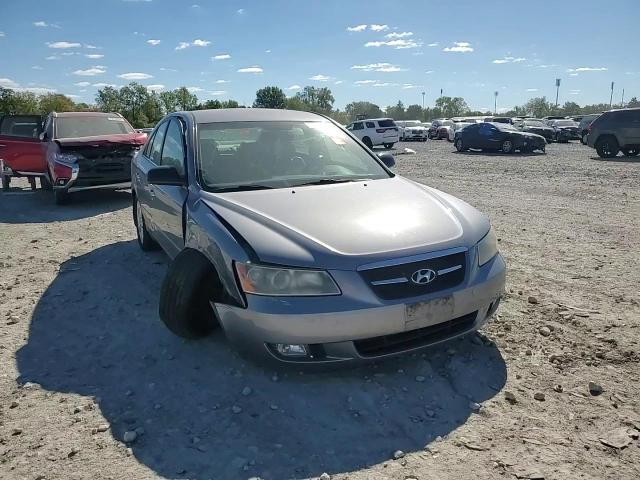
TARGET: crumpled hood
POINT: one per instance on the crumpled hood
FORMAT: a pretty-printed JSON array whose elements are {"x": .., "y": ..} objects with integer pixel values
[
  {"x": 341, "y": 226},
  {"x": 124, "y": 138}
]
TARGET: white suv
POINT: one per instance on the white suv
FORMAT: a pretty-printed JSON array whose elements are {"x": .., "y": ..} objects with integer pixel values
[{"x": 375, "y": 131}]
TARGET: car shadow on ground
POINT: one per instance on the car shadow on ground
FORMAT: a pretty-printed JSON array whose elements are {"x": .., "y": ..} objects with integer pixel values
[
  {"x": 37, "y": 206},
  {"x": 618, "y": 159},
  {"x": 107, "y": 342},
  {"x": 481, "y": 153}
]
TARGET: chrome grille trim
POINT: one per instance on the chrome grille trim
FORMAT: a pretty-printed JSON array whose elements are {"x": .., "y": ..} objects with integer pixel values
[{"x": 411, "y": 259}]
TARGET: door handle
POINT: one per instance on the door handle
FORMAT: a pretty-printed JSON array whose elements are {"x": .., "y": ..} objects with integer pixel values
[{"x": 152, "y": 193}]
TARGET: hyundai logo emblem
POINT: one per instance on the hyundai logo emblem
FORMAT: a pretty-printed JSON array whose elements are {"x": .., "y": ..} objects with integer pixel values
[{"x": 423, "y": 276}]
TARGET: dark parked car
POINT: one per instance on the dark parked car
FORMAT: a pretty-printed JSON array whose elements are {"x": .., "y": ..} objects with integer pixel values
[
  {"x": 565, "y": 130},
  {"x": 583, "y": 126},
  {"x": 537, "y": 127},
  {"x": 499, "y": 137},
  {"x": 88, "y": 150},
  {"x": 435, "y": 133},
  {"x": 551, "y": 118},
  {"x": 615, "y": 131},
  {"x": 278, "y": 226}
]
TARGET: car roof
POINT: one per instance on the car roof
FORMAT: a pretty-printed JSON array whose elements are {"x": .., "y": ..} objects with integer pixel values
[
  {"x": 85, "y": 114},
  {"x": 252, "y": 115}
]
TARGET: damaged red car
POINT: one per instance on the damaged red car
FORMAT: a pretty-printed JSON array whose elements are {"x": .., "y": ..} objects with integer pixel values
[{"x": 80, "y": 151}]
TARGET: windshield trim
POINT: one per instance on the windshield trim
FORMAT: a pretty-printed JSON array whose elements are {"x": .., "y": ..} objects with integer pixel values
[{"x": 197, "y": 154}]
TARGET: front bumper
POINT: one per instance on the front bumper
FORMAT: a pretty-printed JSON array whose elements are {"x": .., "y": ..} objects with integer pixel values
[{"x": 344, "y": 328}]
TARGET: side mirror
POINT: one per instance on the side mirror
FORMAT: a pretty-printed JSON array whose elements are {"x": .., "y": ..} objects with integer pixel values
[
  {"x": 165, "y": 175},
  {"x": 43, "y": 137},
  {"x": 388, "y": 159}
]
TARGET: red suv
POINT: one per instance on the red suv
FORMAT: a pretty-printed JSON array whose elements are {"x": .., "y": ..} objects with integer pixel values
[{"x": 78, "y": 151}]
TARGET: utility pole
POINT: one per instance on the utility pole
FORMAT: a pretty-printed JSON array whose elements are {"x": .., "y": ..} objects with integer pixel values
[
  {"x": 557, "y": 90},
  {"x": 495, "y": 102},
  {"x": 423, "y": 100},
  {"x": 611, "y": 98},
  {"x": 622, "y": 101}
]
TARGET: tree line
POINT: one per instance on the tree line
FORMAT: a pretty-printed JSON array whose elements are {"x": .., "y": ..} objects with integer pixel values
[{"x": 144, "y": 107}]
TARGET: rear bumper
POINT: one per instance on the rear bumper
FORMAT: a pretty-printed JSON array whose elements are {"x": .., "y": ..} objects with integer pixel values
[{"x": 363, "y": 329}]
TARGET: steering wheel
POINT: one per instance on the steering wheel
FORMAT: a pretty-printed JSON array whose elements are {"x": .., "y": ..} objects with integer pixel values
[{"x": 298, "y": 162}]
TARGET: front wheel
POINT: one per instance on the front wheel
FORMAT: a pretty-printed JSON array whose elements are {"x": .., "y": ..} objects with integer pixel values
[
  {"x": 146, "y": 242},
  {"x": 585, "y": 138},
  {"x": 367, "y": 141},
  {"x": 507, "y": 146},
  {"x": 460, "y": 145},
  {"x": 631, "y": 152},
  {"x": 607, "y": 147}
]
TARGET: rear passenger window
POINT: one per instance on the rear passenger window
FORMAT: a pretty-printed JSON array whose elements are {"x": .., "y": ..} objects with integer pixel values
[
  {"x": 387, "y": 123},
  {"x": 173, "y": 150},
  {"x": 358, "y": 126},
  {"x": 371, "y": 125},
  {"x": 155, "y": 153}
]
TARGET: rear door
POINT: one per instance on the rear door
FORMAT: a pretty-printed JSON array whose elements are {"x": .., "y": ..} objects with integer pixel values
[
  {"x": 149, "y": 158},
  {"x": 628, "y": 123},
  {"x": 20, "y": 145},
  {"x": 170, "y": 199}
]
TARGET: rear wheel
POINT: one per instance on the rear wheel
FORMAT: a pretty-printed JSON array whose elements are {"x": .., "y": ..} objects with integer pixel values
[
  {"x": 460, "y": 145},
  {"x": 367, "y": 141},
  {"x": 189, "y": 286},
  {"x": 585, "y": 138},
  {"x": 631, "y": 152},
  {"x": 144, "y": 238},
  {"x": 607, "y": 147},
  {"x": 507, "y": 146}
]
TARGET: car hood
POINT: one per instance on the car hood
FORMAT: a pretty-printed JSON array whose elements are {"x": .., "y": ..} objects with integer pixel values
[
  {"x": 125, "y": 138},
  {"x": 530, "y": 135},
  {"x": 344, "y": 225}
]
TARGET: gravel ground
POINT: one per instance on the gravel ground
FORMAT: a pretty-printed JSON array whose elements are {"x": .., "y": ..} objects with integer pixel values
[{"x": 93, "y": 386}]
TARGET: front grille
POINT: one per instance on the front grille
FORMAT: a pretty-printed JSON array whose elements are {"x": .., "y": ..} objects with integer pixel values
[
  {"x": 400, "y": 342},
  {"x": 394, "y": 282}
]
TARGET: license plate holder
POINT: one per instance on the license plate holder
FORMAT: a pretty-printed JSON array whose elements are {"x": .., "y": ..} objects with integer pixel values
[{"x": 431, "y": 312}]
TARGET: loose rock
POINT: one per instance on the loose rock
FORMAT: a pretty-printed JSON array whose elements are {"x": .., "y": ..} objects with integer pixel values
[
  {"x": 398, "y": 454},
  {"x": 539, "y": 396},
  {"x": 595, "y": 389},
  {"x": 532, "y": 300},
  {"x": 420, "y": 378},
  {"x": 544, "y": 331},
  {"x": 236, "y": 409},
  {"x": 510, "y": 397},
  {"x": 246, "y": 391},
  {"x": 325, "y": 476}
]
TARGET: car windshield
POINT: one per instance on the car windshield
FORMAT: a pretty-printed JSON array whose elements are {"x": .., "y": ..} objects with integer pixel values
[
  {"x": 565, "y": 123},
  {"x": 533, "y": 123},
  {"x": 446, "y": 123},
  {"x": 90, "y": 126},
  {"x": 505, "y": 126},
  {"x": 249, "y": 155}
]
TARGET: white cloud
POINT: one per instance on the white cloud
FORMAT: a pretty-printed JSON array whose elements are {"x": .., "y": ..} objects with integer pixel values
[
  {"x": 63, "y": 45},
  {"x": 68, "y": 54},
  {"x": 509, "y": 60},
  {"x": 155, "y": 87},
  {"x": 588, "y": 69},
  {"x": 71, "y": 95},
  {"x": 428, "y": 72},
  {"x": 240, "y": 11},
  {"x": 408, "y": 86},
  {"x": 91, "y": 72},
  {"x": 102, "y": 85},
  {"x": 378, "y": 67},
  {"x": 574, "y": 92},
  {"x": 357, "y": 28},
  {"x": 153, "y": 42},
  {"x": 379, "y": 28},
  {"x": 165, "y": 69},
  {"x": 135, "y": 76},
  {"x": 222, "y": 81},
  {"x": 8, "y": 83},
  {"x": 398, "y": 43},
  {"x": 532, "y": 89},
  {"x": 460, "y": 47},
  {"x": 365, "y": 82},
  {"x": 385, "y": 84},
  {"x": 52, "y": 57},
  {"x": 217, "y": 93},
  {"x": 338, "y": 82},
  {"x": 82, "y": 84},
  {"x": 183, "y": 45},
  {"x": 2, "y": 34},
  {"x": 294, "y": 87},
  {"x": 254, "y": 69},
  {"x": 40, "y": 24},
  {"x": 92, "y": 47},
  {"x": 267, "y": 51},
  {"x": 573, "y": 74},
  {"x": 399, "y": 35},
  {"x": 195, "y": 89},
  {"x": 224, "y": 56},
  {"x": 37, "y": 67},
  {"x": 320, "y": 78},
  {"x": 435, "y": 44},
  {"x": 94, "y": 55},
  {"x": 200, "y": 43}
]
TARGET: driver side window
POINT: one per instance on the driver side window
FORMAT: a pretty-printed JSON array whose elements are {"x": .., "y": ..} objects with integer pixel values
[{"x": 486, "y": 130}]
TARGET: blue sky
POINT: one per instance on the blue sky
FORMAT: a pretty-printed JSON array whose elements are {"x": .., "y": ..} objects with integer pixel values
[{"x": 381, "y": 51}]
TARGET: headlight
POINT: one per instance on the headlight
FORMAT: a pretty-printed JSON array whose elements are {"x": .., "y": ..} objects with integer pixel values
[
  {"x": 260, "y": 280},
  {"x": 487, "y": 247},
  {"x": 65, "y": 158}
]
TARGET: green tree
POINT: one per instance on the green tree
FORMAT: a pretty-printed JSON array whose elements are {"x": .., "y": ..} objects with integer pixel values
[
  {"x": 538, "y": 107},
  {"x": 56, "y": 102},
  {"x": 270, "y": 97},
  {"x": 133, "y": 97},
  {"x": 210, "y": 105},
  {"x": 185, "y": 100},
  {"x": 633, "y": 102},
  {"x": 414, "y": 112},
  {"x": 452, "y": 106},
  {"x": 296, "y": 103},
  {"x": 231, "y": 104},
  {"x": 397, "y": 112},
  {"x": 571, "y": 108},
  {"x": 318, "y": 100},
  {"x": 108, "y": 100},
  {"x": 366, "y": 109},
  {"x": 12, "y": 102},
  {"x": 169, "y": 101}
]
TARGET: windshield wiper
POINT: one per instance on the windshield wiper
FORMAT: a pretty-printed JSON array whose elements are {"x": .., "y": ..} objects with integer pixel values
[
  {"x": 242, "y": 188},
  {"x": 329, "y": 181}
]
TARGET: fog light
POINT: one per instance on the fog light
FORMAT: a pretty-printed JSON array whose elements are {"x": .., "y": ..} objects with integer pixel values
[{"x": 288, "y": 350}]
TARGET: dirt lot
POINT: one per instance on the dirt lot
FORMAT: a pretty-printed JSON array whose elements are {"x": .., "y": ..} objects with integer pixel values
[{"x": 84, "y": 358}]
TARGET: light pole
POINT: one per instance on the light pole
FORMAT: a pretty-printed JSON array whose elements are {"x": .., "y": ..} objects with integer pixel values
[
  {"x": 622, "y": 101},
  {"x": 611, "y": 98},
  {"x": 557, "y": 90},
  {"x": 495, "y": 102},
  {"x": 423, "y": 100}
]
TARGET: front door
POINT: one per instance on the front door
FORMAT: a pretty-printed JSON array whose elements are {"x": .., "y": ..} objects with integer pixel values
[{"x": 20, "y": 147}]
